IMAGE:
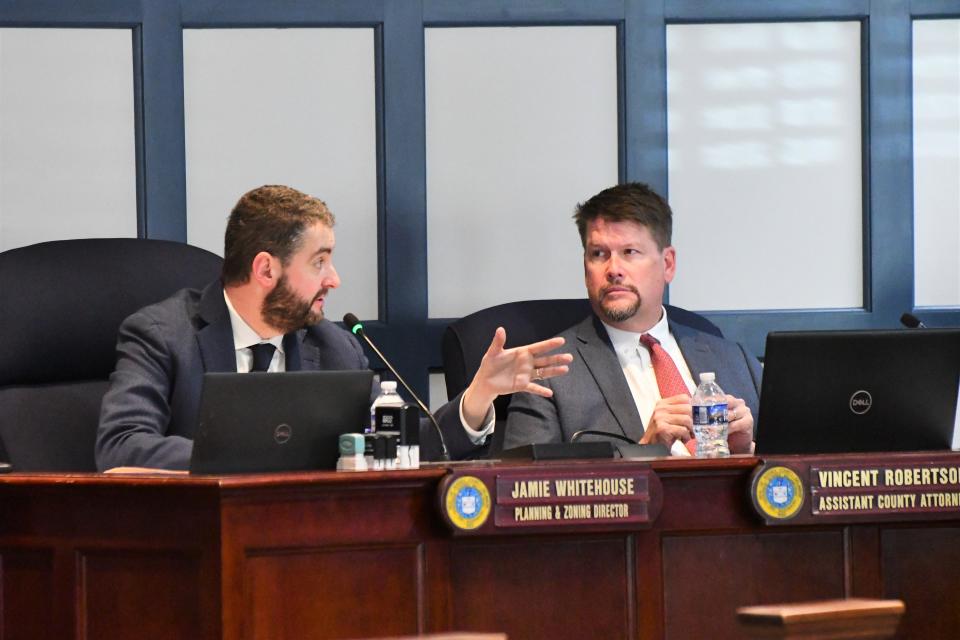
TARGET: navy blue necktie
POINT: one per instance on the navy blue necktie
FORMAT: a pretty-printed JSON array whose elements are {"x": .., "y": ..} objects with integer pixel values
[{"x": 262, "y": 355}]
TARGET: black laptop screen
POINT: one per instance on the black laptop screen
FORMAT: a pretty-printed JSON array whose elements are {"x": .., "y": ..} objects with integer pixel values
[
  {"x": 256, "y": 422},
  {"x": 859, "y": 391}
]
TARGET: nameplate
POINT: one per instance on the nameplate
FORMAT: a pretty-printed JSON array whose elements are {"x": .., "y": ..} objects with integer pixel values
[
  {"x": 532, "y": 498},
  {"x": 865, "y": 488}
]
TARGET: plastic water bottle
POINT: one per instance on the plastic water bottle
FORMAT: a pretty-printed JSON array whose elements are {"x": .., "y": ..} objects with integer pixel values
[
  {"x": 710, "y": 418},
  {"x": 388, "y": 398}
]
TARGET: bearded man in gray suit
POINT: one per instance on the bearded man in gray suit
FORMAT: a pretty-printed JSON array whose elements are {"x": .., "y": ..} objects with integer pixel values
[
  {"x": 265, "y": 313},
  {"x": 611, "y": 386}
]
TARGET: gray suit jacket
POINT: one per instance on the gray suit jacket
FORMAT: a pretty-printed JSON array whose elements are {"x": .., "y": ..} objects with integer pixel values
[
  {"x": 150, "y": 411},
  {"x": 595, "y": 394}
]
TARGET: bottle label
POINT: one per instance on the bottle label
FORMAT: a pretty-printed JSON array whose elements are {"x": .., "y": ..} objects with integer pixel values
[
  {"x": 711, "y": 414},
  {"x": 387, "y": 418}
]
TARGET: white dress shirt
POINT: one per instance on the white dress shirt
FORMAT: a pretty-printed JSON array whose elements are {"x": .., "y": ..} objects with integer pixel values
[
  {"x": 477, "y": 437},
  {"x": 244, "y": 337},
  {"x": 638, "y": 370}
]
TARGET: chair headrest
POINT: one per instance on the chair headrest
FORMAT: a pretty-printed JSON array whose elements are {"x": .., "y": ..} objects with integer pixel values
[{"x": 62, "y": 302}]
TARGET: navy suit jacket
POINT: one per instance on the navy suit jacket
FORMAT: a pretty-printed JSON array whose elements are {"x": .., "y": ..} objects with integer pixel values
[
  {"x": 149, "y": 413},
  {"x": 595, "y": 394}
]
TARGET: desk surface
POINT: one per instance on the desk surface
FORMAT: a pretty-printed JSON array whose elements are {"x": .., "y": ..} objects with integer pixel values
[{"x": 325, "y": 555}]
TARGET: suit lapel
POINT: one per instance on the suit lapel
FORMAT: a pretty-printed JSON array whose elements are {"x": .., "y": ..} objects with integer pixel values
[
  {"x": 215, "y": 338},
  {"x": 299, "y": 355},
  {"x": 598, "y": 355},
  {"x": 697, "y": 354}
]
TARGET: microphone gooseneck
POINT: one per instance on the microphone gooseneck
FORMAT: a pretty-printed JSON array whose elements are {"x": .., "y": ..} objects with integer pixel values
[
  {"x": 911, "y": 321},
  {"x": 596, "y": 432},
  {"x": 356, "y": 328}
]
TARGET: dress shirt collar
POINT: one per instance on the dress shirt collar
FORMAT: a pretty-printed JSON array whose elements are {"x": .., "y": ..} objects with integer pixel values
[{"x": 627, "y": 343}]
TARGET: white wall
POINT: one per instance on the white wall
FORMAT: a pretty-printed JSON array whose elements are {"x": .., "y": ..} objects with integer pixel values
[
  {"x": 286, "y": 106},
  {"x": 936, "y": 162},
  {"x": 765, "y": 165},
  {"x": 521, "y": 125},
  {"x": 67, "y": 137}
]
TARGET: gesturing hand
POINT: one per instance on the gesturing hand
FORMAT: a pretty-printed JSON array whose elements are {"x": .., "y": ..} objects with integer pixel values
[{"x": 504, "y": 371}]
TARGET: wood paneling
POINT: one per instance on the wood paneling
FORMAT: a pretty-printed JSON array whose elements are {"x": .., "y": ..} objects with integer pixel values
[
  {"x": 331, "y": 593},
  {"x": 325, "y": 555},
  {"x": 543, "y": 587},
  {"x": 27, "y": 592},
  {"x": 922, "y": 568},
  {"x": 707, "y": 577},
  {"x": 140, "y": 595}
]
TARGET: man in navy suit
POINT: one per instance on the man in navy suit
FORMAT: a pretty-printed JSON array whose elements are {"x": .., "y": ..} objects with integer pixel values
[
  {"x": 266, "y": 314},
  {"x": 611, "y": 386}
]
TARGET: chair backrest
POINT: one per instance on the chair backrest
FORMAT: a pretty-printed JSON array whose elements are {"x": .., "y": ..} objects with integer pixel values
[
  {"x": 61, "y": 304},
  {"x": 466, "y": 340}
]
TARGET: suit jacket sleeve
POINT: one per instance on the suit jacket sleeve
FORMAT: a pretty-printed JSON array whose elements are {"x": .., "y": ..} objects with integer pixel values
[
  {"x": 756, "y": 369},
  {"x": 459, "y": 444},
  {"x": 136, "y": 408},
  {"x": 532, "y": 419},
  {"x": 756, "y": 376}
]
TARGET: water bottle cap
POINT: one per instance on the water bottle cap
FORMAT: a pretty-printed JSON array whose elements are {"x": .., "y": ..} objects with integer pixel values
[
  {"x": 388, "y": 385},
  {"x": 708, "y": 376}
]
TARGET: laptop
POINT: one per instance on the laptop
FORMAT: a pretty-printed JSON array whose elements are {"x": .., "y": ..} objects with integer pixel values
[
  {"x": 258, "y": 422},
  {"x": 859, "y": 391}
]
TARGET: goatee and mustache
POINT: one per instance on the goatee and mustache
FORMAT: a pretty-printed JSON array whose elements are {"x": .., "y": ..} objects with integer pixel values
[
  {"x": 285, "y": 310},
  {"x": 619, "y": 314}
]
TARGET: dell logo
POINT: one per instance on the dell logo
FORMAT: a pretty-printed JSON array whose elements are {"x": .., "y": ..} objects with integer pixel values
[
  {"x": 282, "y": 433},
  {"x": 860, "y": 402}
]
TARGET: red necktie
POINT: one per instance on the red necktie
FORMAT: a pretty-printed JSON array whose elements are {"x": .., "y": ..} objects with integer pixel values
[{"x": 669, "y": 380}]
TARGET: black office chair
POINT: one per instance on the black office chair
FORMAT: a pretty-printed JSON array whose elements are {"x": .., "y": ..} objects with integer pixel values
[
  {"x": 61, "y": 304},
  {"x": 467, "y": 339}
]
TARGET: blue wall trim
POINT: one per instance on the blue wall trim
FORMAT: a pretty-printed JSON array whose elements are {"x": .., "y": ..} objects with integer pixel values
[
  {"x": 935, "y": 9},
  {"x": 164, "y": 172},
  {"x": 523, "y": 12},
  {"x": 139, "y": 132},
  {"x": 406, "y": 332},
  {"x": 645, "y": 68},
  {"x": 280, "y": 13},
  {"x": 891, "y": 159},
  {"x": 764, "y": 10},
  {"x": 63, "y": 13}
]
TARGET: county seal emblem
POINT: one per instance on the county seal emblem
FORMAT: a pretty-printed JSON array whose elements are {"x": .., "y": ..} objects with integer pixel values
[
  {"x": 467, "y": 503},
  {"x": 777, "y": 493}
]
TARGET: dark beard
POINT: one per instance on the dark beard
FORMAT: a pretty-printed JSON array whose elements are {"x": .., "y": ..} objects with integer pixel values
[{"x": 283, "y": 309}]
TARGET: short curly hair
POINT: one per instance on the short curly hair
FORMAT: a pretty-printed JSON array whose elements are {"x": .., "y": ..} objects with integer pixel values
[{"x": 270, "y": 218}]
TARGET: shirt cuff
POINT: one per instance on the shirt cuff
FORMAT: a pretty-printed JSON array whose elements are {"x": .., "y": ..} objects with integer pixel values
[
  {"x": 478, "y": 437},
  {"x": 679, "y": 449}
]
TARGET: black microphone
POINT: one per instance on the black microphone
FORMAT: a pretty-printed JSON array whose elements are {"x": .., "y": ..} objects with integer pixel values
[
  {"x": 353, "y": 324},
  {"x": 911, "y": 321}
]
